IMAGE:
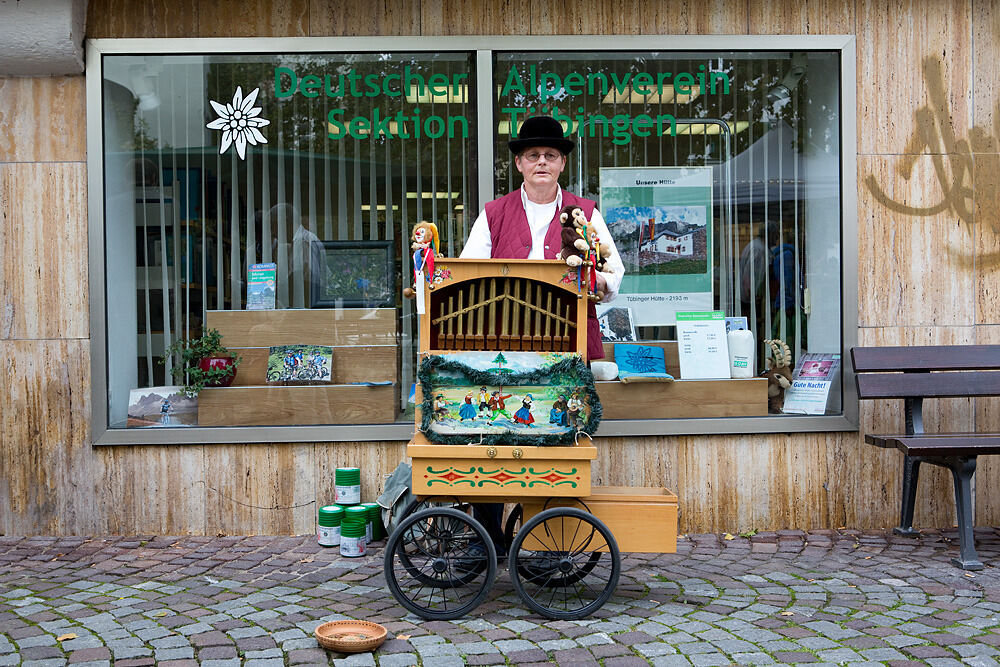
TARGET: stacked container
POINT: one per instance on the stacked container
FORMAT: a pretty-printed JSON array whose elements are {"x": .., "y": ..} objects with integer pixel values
[
  {"x": 348, "y": 486},
  {"x": 329, "y": 520},
  {"x": 374, "y": 525},
  {"x": 352, "y": 532}
]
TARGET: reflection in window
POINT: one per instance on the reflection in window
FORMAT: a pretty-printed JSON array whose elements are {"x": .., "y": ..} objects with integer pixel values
[
  {"x": 766, "y": 125},
  {"x": 184, "y": 222}
]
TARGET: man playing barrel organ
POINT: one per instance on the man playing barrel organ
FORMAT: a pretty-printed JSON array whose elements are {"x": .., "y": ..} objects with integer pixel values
[{"x": 525, "y": 224}]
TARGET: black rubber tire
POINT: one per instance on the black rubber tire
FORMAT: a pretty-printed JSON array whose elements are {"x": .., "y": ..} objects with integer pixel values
[
  {"x": 527, "y": 570},
  {"x": 432, "y": 503},
  {"x": 565, "y": 581},
  {"x": 430, "y": 569},
  {"x": 513, "y": 524}
]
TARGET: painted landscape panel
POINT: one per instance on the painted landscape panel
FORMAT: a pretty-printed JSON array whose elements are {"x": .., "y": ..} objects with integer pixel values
[{"x": 507, "y": 398}]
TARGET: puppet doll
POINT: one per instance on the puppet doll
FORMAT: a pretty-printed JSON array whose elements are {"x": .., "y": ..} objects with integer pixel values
[
  {"x": 575, "y": 245},
  {"x": 778, "y": 374},
  {"x": 582, "y": 246},
  {"x": 425, "y": 247}
]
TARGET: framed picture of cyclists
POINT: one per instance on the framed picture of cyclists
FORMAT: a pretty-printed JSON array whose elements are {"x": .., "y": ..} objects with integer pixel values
[
  {"x": 352, "y": 274},
  {"x": 300, "y": 364}
]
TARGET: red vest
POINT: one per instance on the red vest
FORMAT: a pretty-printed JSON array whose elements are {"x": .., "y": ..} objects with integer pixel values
[{"x": 511, "y": 239}]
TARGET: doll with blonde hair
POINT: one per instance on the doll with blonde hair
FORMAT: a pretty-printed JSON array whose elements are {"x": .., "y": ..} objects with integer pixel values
[{"x": 425, "y": 246}]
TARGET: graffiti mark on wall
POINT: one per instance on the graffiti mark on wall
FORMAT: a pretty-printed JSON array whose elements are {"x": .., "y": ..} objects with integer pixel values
[{"x": 951, "y": 156}]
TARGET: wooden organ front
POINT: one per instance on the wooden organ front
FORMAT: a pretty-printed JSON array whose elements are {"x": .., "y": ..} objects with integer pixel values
[{"x": 504, "y": 304}]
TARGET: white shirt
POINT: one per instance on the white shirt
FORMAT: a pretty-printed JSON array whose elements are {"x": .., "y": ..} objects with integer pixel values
[{"x": 480, "y": 242}]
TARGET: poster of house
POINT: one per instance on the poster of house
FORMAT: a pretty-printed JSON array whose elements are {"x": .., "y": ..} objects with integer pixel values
[{"x": 661, "y": 221}]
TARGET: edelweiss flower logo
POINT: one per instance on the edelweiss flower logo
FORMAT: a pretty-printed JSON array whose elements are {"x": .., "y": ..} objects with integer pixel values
[{"x": 239, "y": 122}]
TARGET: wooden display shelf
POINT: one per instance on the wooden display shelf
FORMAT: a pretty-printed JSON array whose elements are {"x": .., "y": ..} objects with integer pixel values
[
  {"x": 297, "y": 405},
  {"x": 512, "y": 471},
  {"x": 298, "y": 326},
  {"x": 642, "y": 519},
  {"x": 351, "y": 363},
  {"x": 683, "y": 398}
]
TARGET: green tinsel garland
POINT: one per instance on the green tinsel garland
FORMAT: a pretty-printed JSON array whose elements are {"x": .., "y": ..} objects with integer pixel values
[{"x": 477, "y": 377}]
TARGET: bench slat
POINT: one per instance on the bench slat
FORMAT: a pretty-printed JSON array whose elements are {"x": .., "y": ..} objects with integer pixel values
[
  {"x": 940, "y": 444},
  {"x": 926, "y": 358},
  {"x": 931, "y": 385}
]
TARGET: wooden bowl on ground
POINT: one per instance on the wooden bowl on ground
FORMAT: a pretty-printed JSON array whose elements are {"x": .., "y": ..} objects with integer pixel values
[{"x": 350, "y": 636}]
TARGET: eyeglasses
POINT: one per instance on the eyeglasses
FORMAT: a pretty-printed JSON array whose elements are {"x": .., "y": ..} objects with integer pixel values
[{"x": 533, "y": 156}]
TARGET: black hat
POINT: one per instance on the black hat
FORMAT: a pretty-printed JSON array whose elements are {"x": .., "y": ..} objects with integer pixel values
[{"x": 541, "y": 131}]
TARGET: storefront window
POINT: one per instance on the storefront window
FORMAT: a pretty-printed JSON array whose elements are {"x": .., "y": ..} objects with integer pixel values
[
  {"x": 319, "y": 164},
  {"x": 718, "y": 174},
  {"x": 271, "y": 193}
]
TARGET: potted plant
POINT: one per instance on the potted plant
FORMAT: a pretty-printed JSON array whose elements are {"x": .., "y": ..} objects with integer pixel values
[{"x": 203, "y": 362}]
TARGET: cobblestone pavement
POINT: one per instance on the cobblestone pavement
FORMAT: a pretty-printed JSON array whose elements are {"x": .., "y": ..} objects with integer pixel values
[{"x": 788, "y": 597}]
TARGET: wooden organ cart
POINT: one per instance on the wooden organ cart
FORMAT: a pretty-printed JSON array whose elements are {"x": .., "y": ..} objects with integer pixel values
[{"x": 563, "y": 560}]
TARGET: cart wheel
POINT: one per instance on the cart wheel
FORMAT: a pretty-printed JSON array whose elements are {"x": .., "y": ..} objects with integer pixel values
[
  {"x": 512, "y": 525},
  {"x": 440, "y": 563},
  {"x": 564, "y": 563},
  {"x": 435, "y": 503}
]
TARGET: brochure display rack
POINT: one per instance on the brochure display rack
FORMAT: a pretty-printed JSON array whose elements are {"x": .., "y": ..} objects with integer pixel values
[{"x": 681, "y": 398}]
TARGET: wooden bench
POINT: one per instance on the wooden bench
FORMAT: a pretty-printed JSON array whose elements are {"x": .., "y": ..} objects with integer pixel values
[{"x": 919, "y": 372}]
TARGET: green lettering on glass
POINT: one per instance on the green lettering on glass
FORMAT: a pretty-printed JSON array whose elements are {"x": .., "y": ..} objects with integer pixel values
[
  {"x": 278, "y": 71},
  {"x": 513, "y": 83},
  {"x": 683, "y": 83},
  {"x": 573, "y": 83},
  {"x": 310, "y": 85},
  {"x": 641, "y": 83}
]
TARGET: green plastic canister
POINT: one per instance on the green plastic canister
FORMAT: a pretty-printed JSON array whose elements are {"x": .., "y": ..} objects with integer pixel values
[
  {"x": 352, "y": 532},
  {"x": 374, "y": 525},
  {"x": 328, "y": 530},
  {"x": 348, "y": 486}
]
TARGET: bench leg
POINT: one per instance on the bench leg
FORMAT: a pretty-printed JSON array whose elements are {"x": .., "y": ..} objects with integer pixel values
[
  {"x": 962, "y": 470},
  {"x": 911, "y": 473}
]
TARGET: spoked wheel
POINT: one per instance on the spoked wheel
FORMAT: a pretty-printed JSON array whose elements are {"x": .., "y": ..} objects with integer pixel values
[
  {"x": 564, "y": 563},
  {"x": 527, "y": 566},
  {"x": 440, "y": 563},
  {"x": 434, "y": 501},
  {"x": 421, "y": 527}
]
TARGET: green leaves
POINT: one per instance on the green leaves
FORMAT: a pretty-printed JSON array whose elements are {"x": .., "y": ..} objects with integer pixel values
[{"x": 189, "y": 354}]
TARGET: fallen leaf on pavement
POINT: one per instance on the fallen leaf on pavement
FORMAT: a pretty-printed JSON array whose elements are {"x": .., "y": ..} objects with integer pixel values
[
  {"x": 62, "y": 638},
  {"x": 402, "y": 637},
  {"x": 788, "y": 613},
  {"x": 727, "y": 536}
]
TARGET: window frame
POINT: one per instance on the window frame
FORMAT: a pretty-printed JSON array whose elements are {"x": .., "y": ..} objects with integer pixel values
[{"x": 483, "y": 47}]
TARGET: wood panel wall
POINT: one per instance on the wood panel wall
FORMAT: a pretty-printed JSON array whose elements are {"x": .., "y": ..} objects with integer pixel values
[{"x": 929, "y": 254}]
